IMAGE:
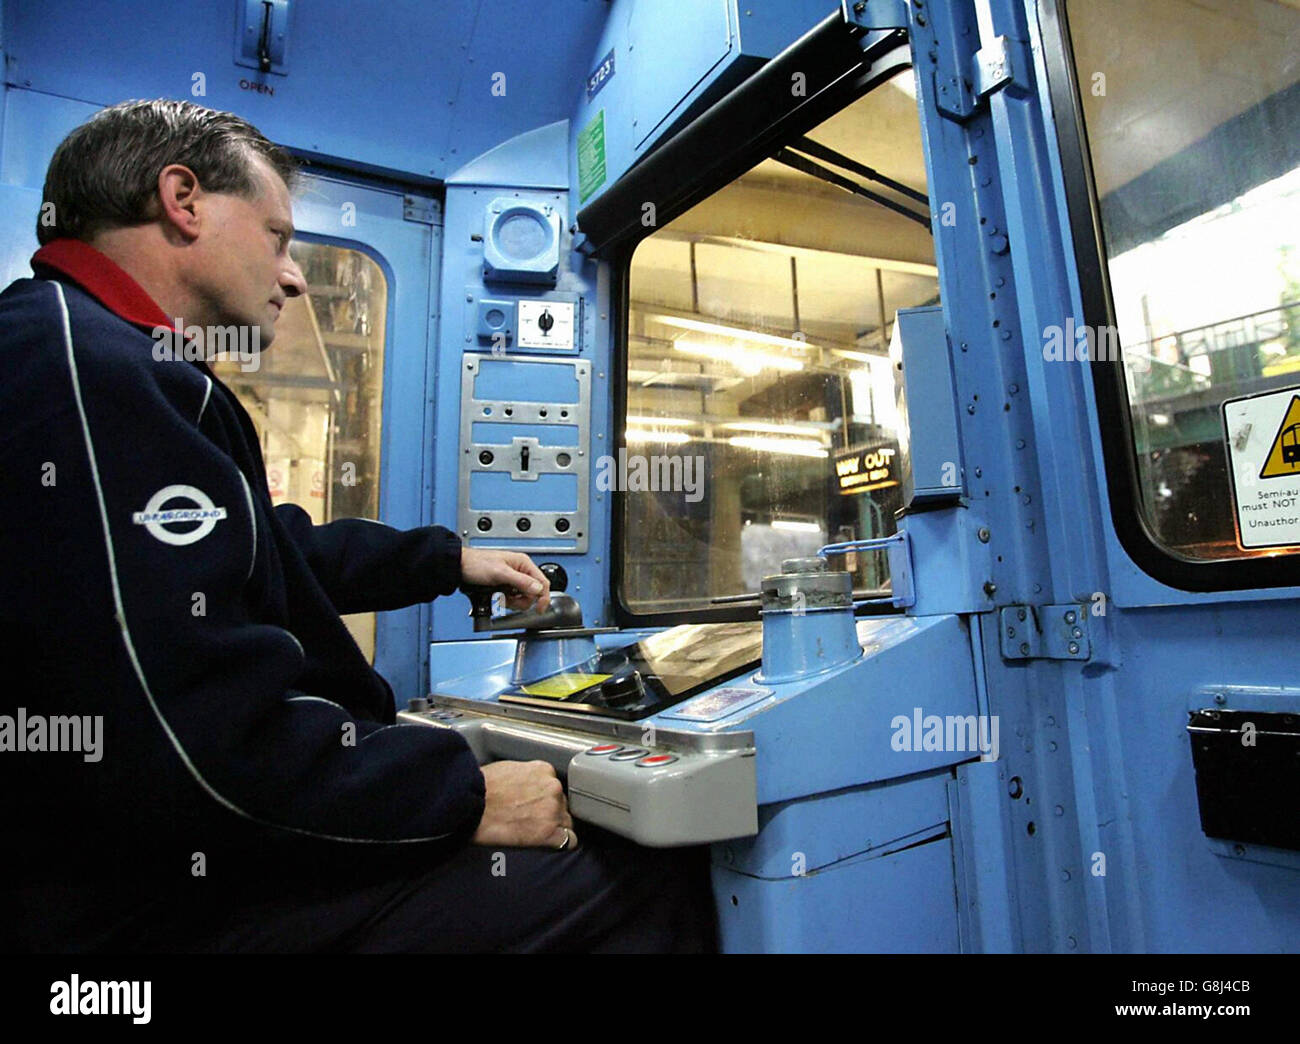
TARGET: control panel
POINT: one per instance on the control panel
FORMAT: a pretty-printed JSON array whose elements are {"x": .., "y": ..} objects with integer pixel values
[
  {"x": 524, "y": 440},
  {"x": 660, "y": 787}
]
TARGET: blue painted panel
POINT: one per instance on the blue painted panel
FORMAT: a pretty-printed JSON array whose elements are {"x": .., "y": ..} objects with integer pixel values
[
  {"x": 1256, "y": 906},
  {"x": 911, "y": 668},
  {"x": 527, "y": 167},
  {"x": 934, "y": 464},
  {"x": 411, "y": 91},
  {"x": 20, "y": 206},
  {"x": 34, "y": 126},
  {"x": 900, "y": 903},
  {"x": 987, "y": 908},
  {"x": 830, "y": 828},
  {"x": 660, "y": 28},
  {"x": 672, "y": 61},
  {"x": 497, "y": 491},
  {"x": 502, "y": 380}
]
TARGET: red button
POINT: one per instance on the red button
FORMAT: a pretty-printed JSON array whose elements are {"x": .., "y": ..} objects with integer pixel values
[
  {"x": 657, "y": 759},
  {"x": 606, "y": 748}
]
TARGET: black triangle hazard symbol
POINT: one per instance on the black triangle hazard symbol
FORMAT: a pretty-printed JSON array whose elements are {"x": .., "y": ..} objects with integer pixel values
[{"x": 1284, "y": 457}]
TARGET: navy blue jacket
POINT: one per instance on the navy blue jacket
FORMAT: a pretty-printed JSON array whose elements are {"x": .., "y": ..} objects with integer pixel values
[{"x": 244, "y": 725}]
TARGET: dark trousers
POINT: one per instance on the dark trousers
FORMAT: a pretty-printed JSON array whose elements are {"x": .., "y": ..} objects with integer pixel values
[{"x": 609, "y": 896}]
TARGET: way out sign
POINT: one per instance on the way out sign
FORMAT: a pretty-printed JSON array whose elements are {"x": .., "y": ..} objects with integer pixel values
[{"x": 1263, "y": 433}]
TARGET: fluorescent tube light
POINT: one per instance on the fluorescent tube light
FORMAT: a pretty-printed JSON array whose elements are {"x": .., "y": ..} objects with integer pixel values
[
  {"x": 743, "y": 359},
  {"x": 641, "y": 435},
  {"x": 720, "y": 330},
  {"x": 792, "y": 447},
  {"x": 796, "y": 527}
]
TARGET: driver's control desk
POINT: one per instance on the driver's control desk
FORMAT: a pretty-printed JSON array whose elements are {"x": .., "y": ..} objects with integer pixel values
[{"x": 658, "y": 786}]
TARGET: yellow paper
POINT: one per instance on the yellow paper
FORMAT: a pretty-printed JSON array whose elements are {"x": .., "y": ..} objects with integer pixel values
[{"x": 559, "y": 686}]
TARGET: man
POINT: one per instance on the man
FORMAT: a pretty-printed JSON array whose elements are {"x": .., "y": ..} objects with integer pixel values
[{"x": 248, "y": 788}]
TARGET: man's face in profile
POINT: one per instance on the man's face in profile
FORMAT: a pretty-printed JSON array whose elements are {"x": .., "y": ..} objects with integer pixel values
[{"x": 243, "y": 271}]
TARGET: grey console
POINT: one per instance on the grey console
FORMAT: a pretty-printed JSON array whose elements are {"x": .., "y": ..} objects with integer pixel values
[{"x": 659, "y": 787}]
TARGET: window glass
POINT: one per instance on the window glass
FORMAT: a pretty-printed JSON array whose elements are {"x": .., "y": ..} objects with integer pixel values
[
  {"x": 316, "y": 394},
  {"x": 757, "y": 357},
  {"x": 1193, "y": 120}
]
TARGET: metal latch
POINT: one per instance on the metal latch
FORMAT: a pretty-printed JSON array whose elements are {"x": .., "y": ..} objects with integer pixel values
[
  {"x": 1045, "y": 632},
  {"x": 993, "y": 68},
  {"x": 898, "y": 547}
]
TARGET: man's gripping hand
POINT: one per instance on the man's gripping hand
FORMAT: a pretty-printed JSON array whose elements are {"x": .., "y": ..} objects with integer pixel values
[
  {"x": 506, "y": 569},
  {"x": 524, "y": 807}
]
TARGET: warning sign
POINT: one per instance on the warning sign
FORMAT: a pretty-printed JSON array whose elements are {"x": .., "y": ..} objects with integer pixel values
[
  {"x": 1263, "y": 436},
  {"x": 1284, "y": 457}
]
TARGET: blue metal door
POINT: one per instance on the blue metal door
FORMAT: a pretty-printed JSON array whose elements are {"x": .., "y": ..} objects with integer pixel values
[{"x": 401, "y": 233}]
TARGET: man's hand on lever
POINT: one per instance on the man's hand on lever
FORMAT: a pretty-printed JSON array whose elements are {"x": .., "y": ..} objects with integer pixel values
[
  {"x": 512, "y": 570},
  {"x": 525, "y": 807}
]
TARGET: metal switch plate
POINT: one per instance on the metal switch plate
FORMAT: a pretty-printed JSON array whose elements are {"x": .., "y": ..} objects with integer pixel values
[
  {"x": 262, "y": 35},
  {"x": 498, "y": 447},
  {"x": 548, "y": 324}
]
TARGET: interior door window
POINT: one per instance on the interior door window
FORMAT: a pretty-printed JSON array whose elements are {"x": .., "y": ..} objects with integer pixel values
[{"x": 316, "y": 394}]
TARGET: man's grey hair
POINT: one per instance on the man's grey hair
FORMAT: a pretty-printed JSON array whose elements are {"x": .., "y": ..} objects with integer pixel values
[{"x": 105, "y": 173}]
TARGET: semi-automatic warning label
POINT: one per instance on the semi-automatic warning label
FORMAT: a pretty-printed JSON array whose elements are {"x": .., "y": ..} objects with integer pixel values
[{"x": 1263, "y": 436}]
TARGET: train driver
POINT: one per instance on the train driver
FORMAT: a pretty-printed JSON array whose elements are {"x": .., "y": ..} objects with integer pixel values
[{"x": 249, "y": 789}]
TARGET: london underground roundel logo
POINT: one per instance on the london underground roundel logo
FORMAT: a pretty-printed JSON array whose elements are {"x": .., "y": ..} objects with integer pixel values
[{"x": 195, "y": 506}]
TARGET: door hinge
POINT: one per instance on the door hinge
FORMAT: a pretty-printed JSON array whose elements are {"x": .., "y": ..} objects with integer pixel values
[
  {"x": 1045, "y": 632},
  {"x": 420, "y": 209}
]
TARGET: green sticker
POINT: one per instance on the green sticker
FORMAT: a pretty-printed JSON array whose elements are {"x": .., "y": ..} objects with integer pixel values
[{"x": 591, "y": 157}]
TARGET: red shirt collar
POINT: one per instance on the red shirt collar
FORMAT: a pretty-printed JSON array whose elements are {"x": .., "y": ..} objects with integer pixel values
[{"x": 103, "y": 279}]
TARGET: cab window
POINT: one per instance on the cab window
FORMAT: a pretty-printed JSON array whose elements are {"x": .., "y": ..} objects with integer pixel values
[
  {"x": 1192, "y": 113},
  {"x": 759, "y": 325}
]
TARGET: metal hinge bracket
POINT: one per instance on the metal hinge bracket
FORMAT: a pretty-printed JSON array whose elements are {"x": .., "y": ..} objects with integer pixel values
[
  {"x": 1045, "y": 632},
  {"x": 420, "y": 209}
]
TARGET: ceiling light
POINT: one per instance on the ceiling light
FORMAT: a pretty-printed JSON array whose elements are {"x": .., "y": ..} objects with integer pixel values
[
  {"x": 793, "y": 447},
  {"x": 718, "y": 329},
  {"x": 808, "y": 431},
  {"x": 641, "y": 435},
  {"x": 665, "y": 422},
  {"x": 796, "y": 527},
  {"x": 743, "y": 359}
]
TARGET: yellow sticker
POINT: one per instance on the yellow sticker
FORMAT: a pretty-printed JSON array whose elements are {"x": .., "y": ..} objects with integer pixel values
[
  {"x": 1283, "y": 459},
  {"x": 560, "y": 686}
]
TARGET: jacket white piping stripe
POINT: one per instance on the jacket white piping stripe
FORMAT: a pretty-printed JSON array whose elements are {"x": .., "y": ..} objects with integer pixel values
[
  {"x": 318, "y": 699},
  {"x": 252, "y": 517},
  {"x": 120, "y": 615},
  {"x": 206, "y": 396}
]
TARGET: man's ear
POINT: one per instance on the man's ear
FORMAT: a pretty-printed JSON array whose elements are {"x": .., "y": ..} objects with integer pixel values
[{"x": 179, "y": 193}]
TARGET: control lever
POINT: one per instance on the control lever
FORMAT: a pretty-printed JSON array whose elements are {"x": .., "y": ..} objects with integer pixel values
[{"x": 563, "y": 612}]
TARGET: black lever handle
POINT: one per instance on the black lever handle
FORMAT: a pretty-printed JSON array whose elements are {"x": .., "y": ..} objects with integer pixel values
[
  {"x": 562, "y": 615},
  {"x": 554, "y": 572},
  {"x": 264, "y": 41}
]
